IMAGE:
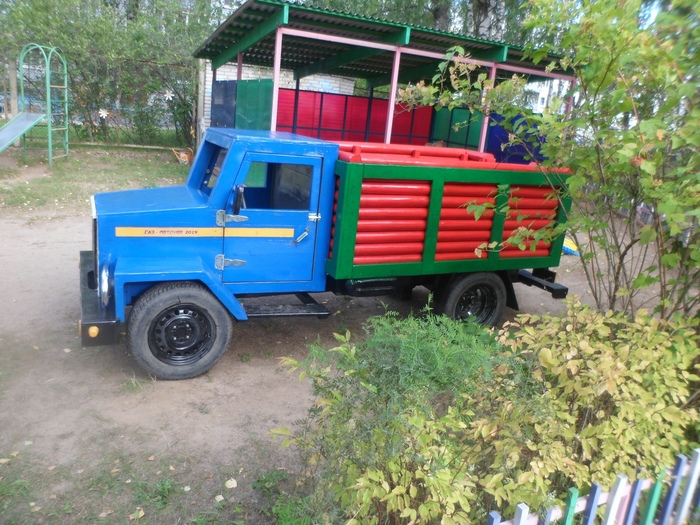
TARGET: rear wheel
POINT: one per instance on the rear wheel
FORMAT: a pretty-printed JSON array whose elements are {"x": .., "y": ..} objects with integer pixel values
[
  {"x": 481, "y": 296},
  {"x": 178, "y": 330}
]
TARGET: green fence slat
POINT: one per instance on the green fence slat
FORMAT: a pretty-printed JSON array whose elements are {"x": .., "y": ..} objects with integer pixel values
[
  {"x": 570, "y": 510},
  {"x": 649, "y": 512}
]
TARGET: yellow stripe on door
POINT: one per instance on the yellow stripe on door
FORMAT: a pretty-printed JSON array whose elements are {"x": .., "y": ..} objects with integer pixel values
[
  {"x": 260, "y": 232},
  {"x": 160, "y": 232},
  {"x": 156, "y": 231}
]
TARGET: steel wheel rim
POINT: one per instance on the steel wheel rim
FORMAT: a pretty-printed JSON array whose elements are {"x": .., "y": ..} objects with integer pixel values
[
  {"x": 181, "y": 335},
  {"x": 478, "y": 302}
]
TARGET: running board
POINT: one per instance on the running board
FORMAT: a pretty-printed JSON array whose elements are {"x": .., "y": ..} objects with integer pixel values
[
  {"x": 309, "y": 307},
  {"x": 558, "y": 291}
]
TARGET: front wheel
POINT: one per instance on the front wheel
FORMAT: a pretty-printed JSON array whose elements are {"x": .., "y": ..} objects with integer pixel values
[
  {"x": 481, "y": 296},
  {"x": 178, "y": 330}
]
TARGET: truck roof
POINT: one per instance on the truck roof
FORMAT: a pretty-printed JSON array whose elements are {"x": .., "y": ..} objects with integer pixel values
[{"x": 264, "y": 135}]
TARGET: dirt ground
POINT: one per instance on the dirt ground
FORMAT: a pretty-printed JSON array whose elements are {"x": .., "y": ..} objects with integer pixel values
[{"x": 70, "y": 414}]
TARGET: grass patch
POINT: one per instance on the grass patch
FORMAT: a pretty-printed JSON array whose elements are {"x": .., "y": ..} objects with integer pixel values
[
  {"x": 85, "y": 172},
  {"x": 17, "y": 491},
  {"x": 8, "y": 174},
  {"x": 156, "y": 493},
  {"x": 134, "y": 384},
  {"x": 166, "y": 137},
  {"x": 268, "y": 483},
  {"x": 278, "y": 499},
  {"x": 14, "y": 492},
  {"x": 119, "y": 489}
]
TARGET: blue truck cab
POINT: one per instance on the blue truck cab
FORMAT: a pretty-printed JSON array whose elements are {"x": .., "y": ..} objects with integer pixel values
[{"x": 208, "y": 239}]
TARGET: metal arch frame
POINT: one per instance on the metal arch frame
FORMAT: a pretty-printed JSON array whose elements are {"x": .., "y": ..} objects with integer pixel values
[{"x": 49, "y": 54}]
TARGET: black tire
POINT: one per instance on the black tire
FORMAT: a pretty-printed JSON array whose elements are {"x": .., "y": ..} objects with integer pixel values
[
  {"x": 481, "y": 296},
  {"x": 178, "y": 330}
]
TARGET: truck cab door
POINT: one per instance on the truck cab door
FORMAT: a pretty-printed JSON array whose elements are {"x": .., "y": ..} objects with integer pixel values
[{"x": 270, "y": 236}]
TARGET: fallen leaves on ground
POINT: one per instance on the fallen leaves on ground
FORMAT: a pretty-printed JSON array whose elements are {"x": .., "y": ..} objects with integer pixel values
[{"x": 137, "y": 515}]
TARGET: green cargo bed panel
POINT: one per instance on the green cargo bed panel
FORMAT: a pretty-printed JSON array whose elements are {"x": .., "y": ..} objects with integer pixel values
[{"x": 402, "y": 220}]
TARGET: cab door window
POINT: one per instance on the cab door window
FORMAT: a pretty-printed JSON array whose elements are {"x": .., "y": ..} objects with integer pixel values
[{"x": 278, "y": 186}]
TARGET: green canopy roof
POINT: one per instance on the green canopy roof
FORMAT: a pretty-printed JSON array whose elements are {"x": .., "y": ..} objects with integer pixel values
[{"x": 251, "y": 31}]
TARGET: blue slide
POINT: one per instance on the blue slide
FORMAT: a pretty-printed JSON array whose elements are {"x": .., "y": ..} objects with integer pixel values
[{"x": 17, "y": 127}]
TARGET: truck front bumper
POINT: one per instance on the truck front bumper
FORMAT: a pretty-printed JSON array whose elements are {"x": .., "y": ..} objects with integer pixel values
[{"x": 98, "y": 325}]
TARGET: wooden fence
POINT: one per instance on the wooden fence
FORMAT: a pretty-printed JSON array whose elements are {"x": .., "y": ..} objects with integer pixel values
[{"x": 622, "y": 503}]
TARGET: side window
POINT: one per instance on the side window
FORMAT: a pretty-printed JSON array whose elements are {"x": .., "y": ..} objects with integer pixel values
[
  {"x": 213, "y": 170},
  {"x": 257, "y": 175},
  {"x": 277, "y": 186}
]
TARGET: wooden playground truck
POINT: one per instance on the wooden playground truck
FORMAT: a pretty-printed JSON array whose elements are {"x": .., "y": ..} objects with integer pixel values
[{"x": 266, "y": 213}]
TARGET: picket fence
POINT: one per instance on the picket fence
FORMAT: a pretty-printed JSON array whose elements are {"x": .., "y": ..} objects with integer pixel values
[{"x": 680, "y": 503}]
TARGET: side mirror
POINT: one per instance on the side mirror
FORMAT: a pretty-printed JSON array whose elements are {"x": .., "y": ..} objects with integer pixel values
[{"x": 239, "y": 199}]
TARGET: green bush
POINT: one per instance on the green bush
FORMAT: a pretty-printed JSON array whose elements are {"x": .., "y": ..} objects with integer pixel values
[
  {"x": 434, "y": 421},
  {"x": 610, "y": 395},
  {"x": 370, "y": 396}
]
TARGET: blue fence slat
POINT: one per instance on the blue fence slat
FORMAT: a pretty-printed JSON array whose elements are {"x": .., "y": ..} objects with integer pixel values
[
  {"x": 546, "y": 520},
  {"x": 591, "y": 505},
  {"x": 680, "y": 505},
  {"x": 667, "y": 507},
  {"x": 684, "y": 501},
  {"x": 633, "y": 502},
  {"x": 615, "y": 499},
  {"x": 521, "y": 513}
]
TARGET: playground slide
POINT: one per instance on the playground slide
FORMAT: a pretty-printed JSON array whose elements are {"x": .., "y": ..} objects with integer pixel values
[{"x": 17, "y": 127}]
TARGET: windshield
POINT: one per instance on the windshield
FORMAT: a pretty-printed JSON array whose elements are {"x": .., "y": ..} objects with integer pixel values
[{"x": 214, "y": 165}]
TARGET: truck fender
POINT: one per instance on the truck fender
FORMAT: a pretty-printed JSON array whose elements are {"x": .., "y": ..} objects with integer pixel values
[{"x": 144, "y": 270}]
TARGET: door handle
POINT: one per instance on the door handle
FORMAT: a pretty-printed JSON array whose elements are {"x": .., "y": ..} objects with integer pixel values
[{"x": 301, "y": 237}]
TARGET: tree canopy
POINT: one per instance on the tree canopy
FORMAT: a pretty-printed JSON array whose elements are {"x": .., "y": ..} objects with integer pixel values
[
  {"x": 131, "y": 59},
  {"x": 631, "y": 137},
  {"x": 130, "y": 62},
  {"x": 499, "y": 20}
]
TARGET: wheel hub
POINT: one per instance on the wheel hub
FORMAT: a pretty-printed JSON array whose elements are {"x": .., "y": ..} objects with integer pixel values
[
  {"x": 181, "y": 332},
  {"x": 477, "y": 302},
  {"x": 181, "y": 335}
]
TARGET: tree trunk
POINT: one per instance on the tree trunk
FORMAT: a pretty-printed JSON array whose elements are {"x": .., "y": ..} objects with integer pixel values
[
  {"x": 12, "y": 72},
  {"x": 486, "y": 19},
  {"x": 14, "y": 105},
  {"x": 5, "y": 102},
  {"x": 441, "y": 11}
]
